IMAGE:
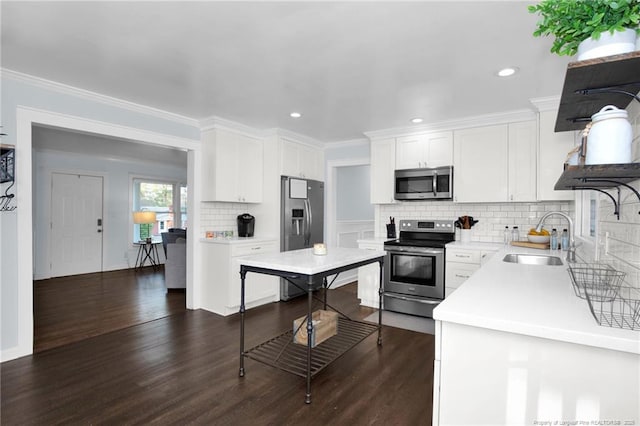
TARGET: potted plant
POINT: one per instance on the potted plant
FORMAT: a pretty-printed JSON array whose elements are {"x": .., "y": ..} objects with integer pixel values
[{"x": 582, "y": 26}]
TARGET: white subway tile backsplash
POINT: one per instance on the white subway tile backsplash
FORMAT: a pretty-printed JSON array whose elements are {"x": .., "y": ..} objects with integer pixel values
[
  {"x": 493, "y": 217},
  {"x": 220, "y": 216},
  {"x": 622, "y": 237}
]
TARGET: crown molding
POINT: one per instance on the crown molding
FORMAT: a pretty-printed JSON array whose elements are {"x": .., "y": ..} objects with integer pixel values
[
  {"x": 96, "y": 97},
  {"x": 347, "y": 143},
  {"x": 463, "y": 123},
  {"x": 284, "y": 133},
  {"x": 213, "y": 122},
  {"x": 546, "y": 104}
]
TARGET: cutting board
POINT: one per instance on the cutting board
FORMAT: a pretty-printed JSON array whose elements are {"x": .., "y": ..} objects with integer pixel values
[{"x": 540, "y": 246}]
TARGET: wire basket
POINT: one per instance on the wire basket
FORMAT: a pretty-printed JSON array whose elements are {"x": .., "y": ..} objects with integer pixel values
[
  {"x": 600, "y": 282},
  {"x": 621, "y": 312}
]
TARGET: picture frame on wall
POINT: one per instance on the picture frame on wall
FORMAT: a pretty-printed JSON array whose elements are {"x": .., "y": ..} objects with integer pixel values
[{"x": 7, "y": 163}]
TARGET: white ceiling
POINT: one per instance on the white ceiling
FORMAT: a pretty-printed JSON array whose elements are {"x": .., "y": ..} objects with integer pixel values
[{"x": 348, "y": 67}]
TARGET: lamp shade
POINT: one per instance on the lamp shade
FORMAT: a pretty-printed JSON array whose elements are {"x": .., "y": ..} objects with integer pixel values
[{"x": 144, "y": 217}]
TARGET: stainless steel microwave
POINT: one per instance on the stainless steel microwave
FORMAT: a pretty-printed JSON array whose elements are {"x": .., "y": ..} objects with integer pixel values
[{"x": 424, "y": 184}]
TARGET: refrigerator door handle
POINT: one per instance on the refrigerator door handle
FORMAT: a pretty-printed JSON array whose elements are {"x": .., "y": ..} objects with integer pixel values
[{"x": 309, "y": 220}]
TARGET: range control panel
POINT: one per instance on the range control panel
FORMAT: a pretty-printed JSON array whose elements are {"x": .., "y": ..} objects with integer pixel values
[{"x": 427, "y": 226}]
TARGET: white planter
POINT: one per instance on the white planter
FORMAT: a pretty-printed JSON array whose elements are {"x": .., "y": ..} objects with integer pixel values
[{"x": 608, "y": 44}]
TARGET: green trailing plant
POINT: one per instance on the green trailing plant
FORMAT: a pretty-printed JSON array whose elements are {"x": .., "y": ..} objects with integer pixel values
[{"x": 573, "y": 21}]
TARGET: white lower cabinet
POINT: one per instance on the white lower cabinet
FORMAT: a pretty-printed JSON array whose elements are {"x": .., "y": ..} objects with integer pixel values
[
  {"x": 461, "y": 264},
  {"x": 369, "y": 277},
  {"x": 221, "y": 291},
  {"x": 490, "y": 377}
]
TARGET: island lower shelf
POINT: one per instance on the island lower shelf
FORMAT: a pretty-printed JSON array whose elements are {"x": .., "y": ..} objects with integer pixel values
[{"x": 282, "y": 353}]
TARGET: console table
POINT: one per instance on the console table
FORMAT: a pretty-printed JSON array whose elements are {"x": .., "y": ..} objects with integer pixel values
[
  {"x": 280, "y": 351},
  {"x": 147, "y": 251}
]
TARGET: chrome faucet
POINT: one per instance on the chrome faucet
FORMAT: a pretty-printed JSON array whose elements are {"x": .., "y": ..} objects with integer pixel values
[{"x": 571, "y": 252}]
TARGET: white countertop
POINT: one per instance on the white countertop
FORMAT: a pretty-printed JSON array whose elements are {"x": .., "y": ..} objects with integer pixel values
[
  {"x": 375, "y": 240},
  {"x": 305, "y": 262},
  {"x": 236, "y": 240},
  {"x": 530, "y": 300},
  {"x": 475, "y": 245}
]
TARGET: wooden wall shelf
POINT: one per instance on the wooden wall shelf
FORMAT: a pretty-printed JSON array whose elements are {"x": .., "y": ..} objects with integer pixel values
[
  {"x": 599, "y": 178},
  {"x": 619, "y": 71}
]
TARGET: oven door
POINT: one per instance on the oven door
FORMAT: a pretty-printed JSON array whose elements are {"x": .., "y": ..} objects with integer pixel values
[{"x": 415, "y": 271}]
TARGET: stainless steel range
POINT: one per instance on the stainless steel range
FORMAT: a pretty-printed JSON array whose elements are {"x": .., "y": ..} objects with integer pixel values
[{"x": 414, "y": 267}]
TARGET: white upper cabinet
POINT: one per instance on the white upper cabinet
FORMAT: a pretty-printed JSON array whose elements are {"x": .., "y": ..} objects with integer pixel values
[
  {"x": 552, "y": 152},
  {"x": 301, "y": 160},
  {"x": 383, "y": 163},
  {"x": 480, "y": 157},
  {"x": 522, "y": 161},
  {"x": 495, "y": 163},
  {"x": 425, "y": 150},
  {"x": 233, "y": 167}
]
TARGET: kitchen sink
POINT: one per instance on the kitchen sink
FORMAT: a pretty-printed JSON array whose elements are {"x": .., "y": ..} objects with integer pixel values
[{"x": 532, "y": 259}]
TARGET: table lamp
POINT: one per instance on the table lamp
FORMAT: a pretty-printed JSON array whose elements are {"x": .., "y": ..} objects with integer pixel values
[{"x": 145, "y": 217}]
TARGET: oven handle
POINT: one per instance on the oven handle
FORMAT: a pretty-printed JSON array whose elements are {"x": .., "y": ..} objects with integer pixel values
[
  {"x": 411, "y": 299},
  {"x": 401, "y": 250}
]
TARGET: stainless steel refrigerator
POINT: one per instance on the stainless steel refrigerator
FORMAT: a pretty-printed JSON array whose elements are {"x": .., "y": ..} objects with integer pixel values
[{"x": 302, "y": 226}]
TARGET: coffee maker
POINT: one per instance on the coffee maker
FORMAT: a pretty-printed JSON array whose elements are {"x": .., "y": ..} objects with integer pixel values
[{"x": 246, "y": 224}]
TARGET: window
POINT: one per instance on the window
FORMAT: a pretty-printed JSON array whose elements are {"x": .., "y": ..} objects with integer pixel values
[
  {"x": 163, "y": 198},
  {"x": 587, "y": 219}
]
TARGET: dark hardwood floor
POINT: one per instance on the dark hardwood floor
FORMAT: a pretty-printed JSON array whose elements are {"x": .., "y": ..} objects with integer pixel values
[
  {"x": 183, "y": 369},
  {"x": 69, "y": 309}
]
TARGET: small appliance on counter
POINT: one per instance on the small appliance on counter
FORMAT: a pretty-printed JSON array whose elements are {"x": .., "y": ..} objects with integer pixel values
[{"x": 246, "y": 224}]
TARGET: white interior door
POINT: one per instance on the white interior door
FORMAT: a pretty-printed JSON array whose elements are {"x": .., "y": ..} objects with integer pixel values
[{"x": 76, "y": 224}]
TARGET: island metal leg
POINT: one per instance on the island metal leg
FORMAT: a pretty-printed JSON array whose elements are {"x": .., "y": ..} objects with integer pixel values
[
  {"x": 307, "y": 398},
  {"x": 324, "y": 290},
  {"x": 380, "y": 293},
  {"x": 243, "y": 274}
]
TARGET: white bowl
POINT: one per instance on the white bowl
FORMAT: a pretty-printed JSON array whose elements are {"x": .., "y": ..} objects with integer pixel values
[{"x": 540, "y": 239}]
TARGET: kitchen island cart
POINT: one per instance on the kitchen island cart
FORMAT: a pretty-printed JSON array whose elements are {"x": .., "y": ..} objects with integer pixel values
[{"x": 281, "y": 351}]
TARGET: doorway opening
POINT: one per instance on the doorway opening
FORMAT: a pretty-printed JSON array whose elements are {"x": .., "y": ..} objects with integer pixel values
[{"x": 29, "y": 119}]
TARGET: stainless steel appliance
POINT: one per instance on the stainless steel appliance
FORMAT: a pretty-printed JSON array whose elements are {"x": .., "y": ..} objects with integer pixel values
[
  {"x": 246, "y": 225},
  {"x": 302, "y": 216},
  {"x": 414, "y": 266},
  {"x": 424, "y": 184}
]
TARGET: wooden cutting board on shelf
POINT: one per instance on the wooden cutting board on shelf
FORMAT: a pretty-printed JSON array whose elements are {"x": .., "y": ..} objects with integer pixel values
[{"x": 541, "y": 246}]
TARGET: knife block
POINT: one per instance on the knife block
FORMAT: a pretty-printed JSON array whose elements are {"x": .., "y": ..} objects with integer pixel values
[{"x": 391, "y": 231}]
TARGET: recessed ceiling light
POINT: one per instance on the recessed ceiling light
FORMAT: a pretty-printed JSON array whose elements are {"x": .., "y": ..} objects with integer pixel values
[
  {"x": 416, "y": 120},
  {"x": 295, "y": 115},
  {"x": 506, "y": 72}
]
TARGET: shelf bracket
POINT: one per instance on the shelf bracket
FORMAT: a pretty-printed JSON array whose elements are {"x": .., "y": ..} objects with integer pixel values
[
  {"x": 616, "y": 204},
  {"x": 611, "y": 89},
  {"x": 617, "y": 183}
]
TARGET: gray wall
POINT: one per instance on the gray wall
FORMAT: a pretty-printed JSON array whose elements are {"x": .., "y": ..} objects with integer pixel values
[{"x": 353, "y": 195}]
